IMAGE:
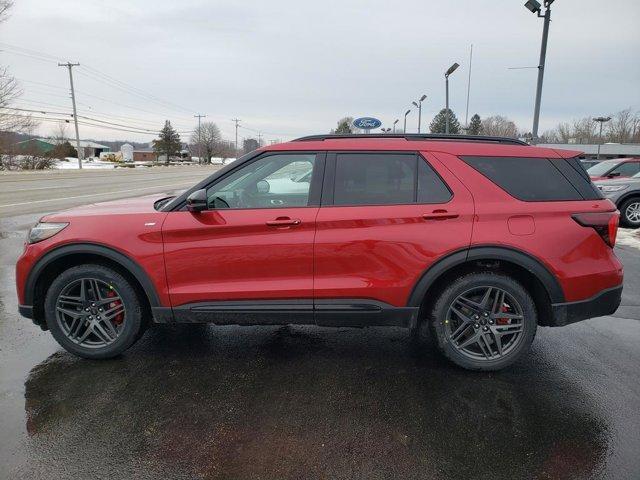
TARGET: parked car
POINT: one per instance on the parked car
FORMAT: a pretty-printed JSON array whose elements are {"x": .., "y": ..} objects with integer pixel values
[
  {"x": 479, "y": 239},
  {"x": 619, "y": 167},
  {"x": 625, "y": 193},
  {"x": 587, "y": 164}
]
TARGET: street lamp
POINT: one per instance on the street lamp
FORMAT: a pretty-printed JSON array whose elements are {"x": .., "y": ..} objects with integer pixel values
[
  {"x": 394, "y": 125},
  {"x": 451, "y": 69},
  {"x": 404, "y": 130},
  {"x": 385, "y": 130},
  {"x": 600, "y": 120},
  {"x": 534, "y": 7},
  {"x": 419, "y": 105}
]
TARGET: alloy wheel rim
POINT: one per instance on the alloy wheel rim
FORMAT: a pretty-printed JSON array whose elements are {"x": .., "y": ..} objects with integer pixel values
[
  {"x": 484, "y": 323},
  {"x": 90, "y": 313},
  {"x": 633, "y": 212}
]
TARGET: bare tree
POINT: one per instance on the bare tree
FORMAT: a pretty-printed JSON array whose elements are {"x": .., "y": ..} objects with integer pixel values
[
  {"x": 5, "y": 6},
  {"x": 499, "y": 126},
  {"x": 59, "y": 133},
  {"x": 620, "y": 128},
  {"x": 585, "y": 130},
  {"x": 207, "y": 141},
  {"x": 11, "y": 120}
]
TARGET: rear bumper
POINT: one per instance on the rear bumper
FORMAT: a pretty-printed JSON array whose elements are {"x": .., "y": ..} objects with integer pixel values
[{"x": 604, "y": 303}]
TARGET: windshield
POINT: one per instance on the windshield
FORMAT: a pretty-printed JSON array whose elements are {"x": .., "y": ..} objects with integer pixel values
[{"x": 601, "y": 168}]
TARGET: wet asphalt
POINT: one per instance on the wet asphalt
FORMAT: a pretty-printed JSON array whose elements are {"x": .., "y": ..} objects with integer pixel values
[{"x": 301, "y": 402}]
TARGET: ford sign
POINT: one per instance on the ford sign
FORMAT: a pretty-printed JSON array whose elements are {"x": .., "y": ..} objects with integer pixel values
[{"x": 366, "y": 123}]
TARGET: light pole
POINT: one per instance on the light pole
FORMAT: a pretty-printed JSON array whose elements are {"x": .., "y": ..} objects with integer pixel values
[
  {"x": 394, "y": 125},
  {"x": 451, "y": 69},
  {"x": 404, "y": 130},
  {"x": 419, "y": 105},
  {"x": 385, "y": 130},
  {"x": 535, "y": 7},
  {"x": 600, "y": 120}
]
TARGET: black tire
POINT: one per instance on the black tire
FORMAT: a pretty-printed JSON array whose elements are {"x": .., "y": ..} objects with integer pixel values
[
  {"x": 128, "y": 331},
  {"x": 629, "y": 213},
  {"x": 442, "y": 319}
]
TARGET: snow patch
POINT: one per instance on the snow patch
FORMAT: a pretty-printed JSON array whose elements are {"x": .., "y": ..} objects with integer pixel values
[{"x": 628, "y": 237}]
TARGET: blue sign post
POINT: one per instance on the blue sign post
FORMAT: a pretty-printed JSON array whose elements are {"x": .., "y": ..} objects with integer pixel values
[{"x": 367, "y": 123}]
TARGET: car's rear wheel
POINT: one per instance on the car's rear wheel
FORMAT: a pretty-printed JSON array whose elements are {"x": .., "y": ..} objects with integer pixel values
[
  {"x": 484, "y": 321},
  {"x": 93, "y": 311},
  {"x": 630, "y": 213}
]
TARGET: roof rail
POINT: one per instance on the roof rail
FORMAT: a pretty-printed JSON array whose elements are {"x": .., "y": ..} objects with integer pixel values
[{"x": 418, "y": 136}]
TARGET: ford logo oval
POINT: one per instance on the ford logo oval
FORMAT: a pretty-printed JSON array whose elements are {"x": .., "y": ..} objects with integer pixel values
[{"x": 366, "y": 123}]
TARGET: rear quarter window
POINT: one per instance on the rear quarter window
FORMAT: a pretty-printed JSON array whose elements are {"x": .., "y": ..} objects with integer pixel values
[{"x": 533, "y": 179}]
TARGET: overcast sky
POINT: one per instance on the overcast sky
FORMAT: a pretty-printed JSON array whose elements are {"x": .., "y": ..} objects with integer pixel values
[{"x": 289, "y": 68}]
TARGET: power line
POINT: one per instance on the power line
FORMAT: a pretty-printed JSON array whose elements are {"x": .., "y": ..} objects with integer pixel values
[{"x": 137, "y": 127}]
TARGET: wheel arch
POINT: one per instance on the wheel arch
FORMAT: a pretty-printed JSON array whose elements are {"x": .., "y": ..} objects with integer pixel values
[
  {"x": 529, "y": 270},
  {"x": 627, "y": 196},
  {"x": 67, "y": 256}
]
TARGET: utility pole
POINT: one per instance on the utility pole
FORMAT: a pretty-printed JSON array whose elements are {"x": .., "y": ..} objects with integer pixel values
[
  {"x": 237, "y": 121},
  {"x": 466, "y": 115},
  {"x": 404, "y": 129},
  {"x": 418, "y": 104},
  {"x": 259, "y": 139},
  {"x": 535, "y": 7},
  {"x": 70, "y": 65},
  {"x": 600, "y": 120},
  {"x": 199, "y": 138},
  {"x": 449, "y": 71}
]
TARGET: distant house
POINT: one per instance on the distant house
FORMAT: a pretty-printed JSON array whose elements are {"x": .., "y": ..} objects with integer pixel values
[
  {"x": 42, "y": 146},
  {"x": 144, "y": 156}
]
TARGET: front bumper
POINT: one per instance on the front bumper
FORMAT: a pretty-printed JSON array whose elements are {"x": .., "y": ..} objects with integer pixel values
[{"x": 604, "y": 303}]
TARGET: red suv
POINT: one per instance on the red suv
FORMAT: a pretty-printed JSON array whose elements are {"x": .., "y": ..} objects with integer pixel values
[{"x": 481, "y": 239}]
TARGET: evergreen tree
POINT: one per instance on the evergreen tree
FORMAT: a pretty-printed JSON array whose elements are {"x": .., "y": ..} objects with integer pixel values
[
  {"x": 168, "y": 142},
  {"x": 438, "y": 124},
  {"x": 344, "y": 126},
  {"x": 475, "y": 125}
]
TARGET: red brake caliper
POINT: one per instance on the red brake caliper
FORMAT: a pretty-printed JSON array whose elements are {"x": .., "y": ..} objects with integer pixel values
[
  {"x": 119, "y": 317},
  {"x": 503, "y": 321}
]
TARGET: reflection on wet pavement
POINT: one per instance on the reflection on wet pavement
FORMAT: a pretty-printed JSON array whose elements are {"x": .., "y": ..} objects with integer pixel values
[{"x": 229, "y": 402}]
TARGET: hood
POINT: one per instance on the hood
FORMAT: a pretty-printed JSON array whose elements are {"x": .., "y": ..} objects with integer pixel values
[{"x": 114, "y": 207}]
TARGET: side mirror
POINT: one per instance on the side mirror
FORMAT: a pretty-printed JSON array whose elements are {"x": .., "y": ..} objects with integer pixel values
[
  {"x": 613, "y": 174},
  {"x": 263, "y": 187},
  {"x": 197, "y": 201}
]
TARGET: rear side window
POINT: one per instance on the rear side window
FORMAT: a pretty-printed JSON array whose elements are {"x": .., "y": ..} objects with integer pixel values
[
  {"x": 528, "y": 179},
  {"x": 386, "y": 179},
  {"x": 573, "y": 171},
  {"x": 431, "y": 188},
  {"x": 374, "y": 179}
]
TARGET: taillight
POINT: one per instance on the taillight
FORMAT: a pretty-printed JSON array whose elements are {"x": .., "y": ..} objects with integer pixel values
[{"x": 605, "y": 223}]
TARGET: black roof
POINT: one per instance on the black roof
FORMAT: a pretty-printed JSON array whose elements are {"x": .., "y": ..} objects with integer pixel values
[{"x": 418, "y": 137}]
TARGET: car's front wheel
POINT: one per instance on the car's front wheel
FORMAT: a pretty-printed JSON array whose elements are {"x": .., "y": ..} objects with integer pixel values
[
  {"x": 484, "y": 321},
  {"x": 630, "y": 213},
  {"x": 93, "y": 311}
]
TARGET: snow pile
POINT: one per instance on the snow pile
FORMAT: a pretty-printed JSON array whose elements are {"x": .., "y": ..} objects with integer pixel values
[{"x": 628, "y": 237}]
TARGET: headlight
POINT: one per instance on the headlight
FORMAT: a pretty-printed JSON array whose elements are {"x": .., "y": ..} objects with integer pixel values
[
  {"x": 612, "y": 188},
  {"x": 43, "y": 230}
]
